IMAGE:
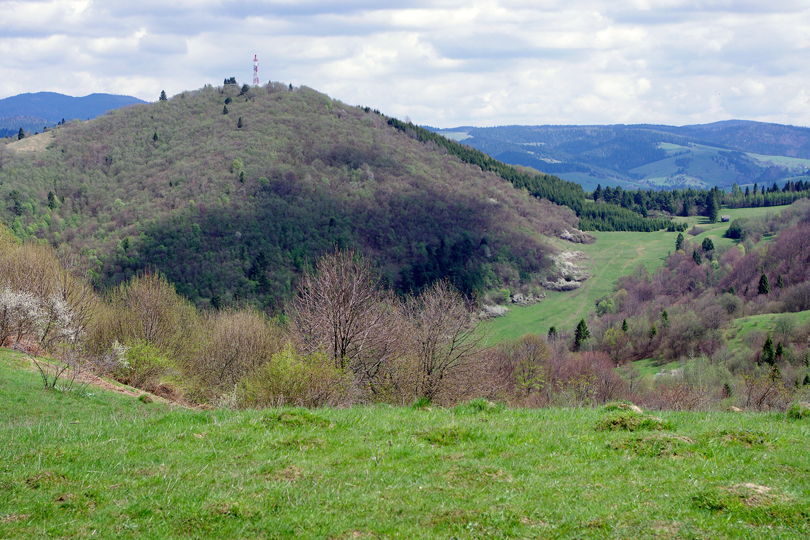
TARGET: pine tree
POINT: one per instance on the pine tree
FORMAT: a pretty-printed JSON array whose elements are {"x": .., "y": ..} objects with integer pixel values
[
  {"x": 162, "y": 96},
  {"x": 764, "y": 287},
  {"x": 581, "y": 334},
  {"x": 679, "y": 242},
  {"x": 155, "y": 137}
]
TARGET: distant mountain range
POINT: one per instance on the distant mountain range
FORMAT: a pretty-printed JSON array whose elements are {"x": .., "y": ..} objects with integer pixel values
[
  {"x": 35, "y": 111},
  {"x": 651, "y": 156}
]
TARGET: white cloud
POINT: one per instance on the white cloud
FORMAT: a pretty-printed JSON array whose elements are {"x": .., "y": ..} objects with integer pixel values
[{"x": 444, "y": 63}]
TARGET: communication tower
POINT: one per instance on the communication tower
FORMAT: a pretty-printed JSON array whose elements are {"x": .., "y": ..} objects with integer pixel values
[{"x": 255, "y": 70}]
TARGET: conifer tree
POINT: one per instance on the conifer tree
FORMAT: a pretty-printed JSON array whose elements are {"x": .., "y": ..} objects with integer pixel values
[
  {"x": 581, "y": 334},
  {"x": 20, "y": 134},
  {"x": 162, "y": 96},
  {"x": 625, "y": 328},
  {"x": 768, "y": 353},
  {"x": 697, "y": 257},
  {"x": 552, "y": 333},
  {"x": 764, "y": 287},
  {"x": 679, "y": 242},
  {"x": 707, "y": 244}
]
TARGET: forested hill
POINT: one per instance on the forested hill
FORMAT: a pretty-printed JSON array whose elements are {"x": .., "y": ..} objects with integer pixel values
[
  {"x": 34, "y": 111},
  {"x": 651, "y": 156},
  {"x": 231, "y": 192}
]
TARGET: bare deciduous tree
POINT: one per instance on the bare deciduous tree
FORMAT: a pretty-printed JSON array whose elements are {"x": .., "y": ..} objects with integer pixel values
[
  {"x": 440, "y": 328},
  {"x": 237, "y": 342},
  {"x": 341, "y": 310}
]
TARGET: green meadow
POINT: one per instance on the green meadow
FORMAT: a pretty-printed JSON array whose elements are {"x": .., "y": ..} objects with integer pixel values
[
  {"x": 90, "y": 463},
  {"x": 614, "y": 254}
]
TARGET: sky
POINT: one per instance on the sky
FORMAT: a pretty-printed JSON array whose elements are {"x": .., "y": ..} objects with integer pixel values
[{"x": 442, "y": 63}]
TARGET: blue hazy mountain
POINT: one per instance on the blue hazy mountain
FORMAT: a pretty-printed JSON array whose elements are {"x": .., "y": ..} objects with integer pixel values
[
  {"x": 34, "y": 111},
  {"x": 651, "y": 156}
]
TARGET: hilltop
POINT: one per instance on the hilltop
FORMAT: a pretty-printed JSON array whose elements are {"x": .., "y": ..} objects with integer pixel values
[
  {"x": 34, "y": 111},
  {"x": 231, "y": 192},
  {"x": 651, "y": 156}
]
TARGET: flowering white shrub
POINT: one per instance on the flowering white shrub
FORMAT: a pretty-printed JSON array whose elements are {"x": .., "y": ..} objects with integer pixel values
[{"x": 23, "y": 314}]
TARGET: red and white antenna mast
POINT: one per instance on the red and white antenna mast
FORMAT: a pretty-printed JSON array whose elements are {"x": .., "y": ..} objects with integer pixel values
[{"x": 255, "y": 70}]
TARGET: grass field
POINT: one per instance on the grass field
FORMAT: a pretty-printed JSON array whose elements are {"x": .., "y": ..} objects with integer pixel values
[
  {"x": 614, "y": 254},
  {"x": 767, "y": 323},
  {"x": 92, "y": 463}
]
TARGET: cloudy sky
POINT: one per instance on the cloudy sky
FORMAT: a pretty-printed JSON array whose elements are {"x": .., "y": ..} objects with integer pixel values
[{"x": 439, "y": 62}]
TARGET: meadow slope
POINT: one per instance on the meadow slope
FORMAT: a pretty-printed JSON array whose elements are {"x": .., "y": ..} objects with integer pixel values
[{"x": 90, "y": 462}]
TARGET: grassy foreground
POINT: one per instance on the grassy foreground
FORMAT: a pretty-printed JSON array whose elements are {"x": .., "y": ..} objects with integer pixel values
[
  {"x": 93, "y": 463},
  {"x": 613, "y": 255}
]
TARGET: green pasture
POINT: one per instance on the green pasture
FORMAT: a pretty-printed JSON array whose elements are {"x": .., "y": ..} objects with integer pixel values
[{"x": 87, "y": 463}]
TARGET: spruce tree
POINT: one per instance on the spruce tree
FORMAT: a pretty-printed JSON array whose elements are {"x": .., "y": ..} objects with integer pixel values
[
  {"x": 162, "y": 96},
  {"x": 712, "y": 207},
  {"x": 679, "y": 242},
  {"x": 707, "y": 244},
  {"x": 20, "y": 134},
  {"x": 625, "y": 328},
  {"x": 768, "y": 353},
  {"x": 697, "y": 257},
  {"x": 581, "y": 334},
  {"x": 764, "y": 287}
]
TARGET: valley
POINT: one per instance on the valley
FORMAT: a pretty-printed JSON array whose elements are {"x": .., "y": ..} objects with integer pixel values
[{"x": 612, "y": 255}]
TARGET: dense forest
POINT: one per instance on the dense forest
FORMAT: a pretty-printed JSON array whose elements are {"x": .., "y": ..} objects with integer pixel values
[
  {"x": 689, "y": 202},
  {"x": 603, "y": 217}
]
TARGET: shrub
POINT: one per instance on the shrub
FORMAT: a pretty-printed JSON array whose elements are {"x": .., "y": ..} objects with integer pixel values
[
  {"x": 799, "y": 411},
  {"x": 141, "y": 365},
  {"x": 292, "y": 379}
]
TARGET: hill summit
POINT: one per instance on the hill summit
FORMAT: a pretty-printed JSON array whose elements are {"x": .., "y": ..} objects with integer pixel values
[{"x": 231, "y": 192}]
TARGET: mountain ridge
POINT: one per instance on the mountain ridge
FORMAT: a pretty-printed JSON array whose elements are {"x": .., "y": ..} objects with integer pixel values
[
  {"x": 636, "y": 156},
  {"x": 33, "y": 111}
]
